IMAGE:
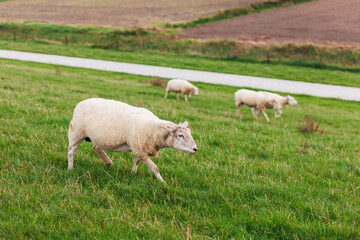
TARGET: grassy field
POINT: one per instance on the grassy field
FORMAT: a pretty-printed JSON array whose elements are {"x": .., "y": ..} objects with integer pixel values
[
  {"x": 250, "y": 178},
  {"x": 167, "y": 41},
  {"x": 297, "y": 73}
]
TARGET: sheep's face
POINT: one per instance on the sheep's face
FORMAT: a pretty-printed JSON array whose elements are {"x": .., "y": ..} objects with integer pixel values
[
  {"x": 196, "y": 91},
  {"x": 181, "y": 138},
  {"x": 291, "y": 100}
]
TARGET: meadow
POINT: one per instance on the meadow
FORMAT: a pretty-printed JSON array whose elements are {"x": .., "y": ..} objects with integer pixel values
[
  {"x": 329, "y": 75},
  {"x": 250, "y": 178}
]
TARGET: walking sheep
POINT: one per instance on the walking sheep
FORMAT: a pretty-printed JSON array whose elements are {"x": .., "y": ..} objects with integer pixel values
[
  {"x": 282, "y": 101},
  {"x": 118, "y": 127},
  {"x": 183, "y": 86},
  {"x": 257, "y": 101}
]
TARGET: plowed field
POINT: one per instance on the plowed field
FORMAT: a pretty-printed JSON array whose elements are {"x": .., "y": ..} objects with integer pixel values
[
  {"x": 321, "y": 21},
  {"x": 115, "y": 12}
]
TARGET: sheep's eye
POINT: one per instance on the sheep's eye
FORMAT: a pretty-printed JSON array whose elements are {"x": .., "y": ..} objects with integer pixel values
[{"x": 181, "y": 136}]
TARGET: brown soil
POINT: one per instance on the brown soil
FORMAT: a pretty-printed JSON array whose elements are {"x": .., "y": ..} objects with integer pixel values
[
  {"x": 115, "y": 13},
  {"x": 323, "y": 21}
]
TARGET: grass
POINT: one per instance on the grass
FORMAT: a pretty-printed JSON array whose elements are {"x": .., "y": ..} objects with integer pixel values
[
  {"x": 296, "y": 73},
  {"x": 250, "y": 178},
  {"x": 166, "y": 40}
]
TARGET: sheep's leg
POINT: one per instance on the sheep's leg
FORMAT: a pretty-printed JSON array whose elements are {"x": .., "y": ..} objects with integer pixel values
[
  {"x": 265, "y": 115},
  {"x": 177, "y": 96},
  {"x": 190, "y": 95},
  {"x": 166, "y": 94},
  {"x": 136, "y": 164},
  {"x": 238, "y": 110},
  {"x": 278, "y": 113},
  {"x": 71, "y": 152},
  {"x": 254, "y": 112},
  {"x": 186, "y": 97},
  {"x": 152, "y": 166},
  {"x": 103, "y": 156}
]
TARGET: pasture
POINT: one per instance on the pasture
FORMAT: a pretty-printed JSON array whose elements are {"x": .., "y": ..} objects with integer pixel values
[{"x": 250, "y": 178}]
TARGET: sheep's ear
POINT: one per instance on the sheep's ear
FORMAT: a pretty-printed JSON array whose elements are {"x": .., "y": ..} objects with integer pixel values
[
  {"x": 184, "y": 125},
  {"x": 171, "y": 127}
]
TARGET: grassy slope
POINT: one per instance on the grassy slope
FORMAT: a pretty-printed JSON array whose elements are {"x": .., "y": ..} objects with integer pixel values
[
  {"x": 199, "y": 63},
  {"x": 248, "y": 179}
]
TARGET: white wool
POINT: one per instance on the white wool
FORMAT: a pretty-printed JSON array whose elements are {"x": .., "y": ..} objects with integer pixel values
[
  {"x": 119, "y": 127},
  {"x": 254, "y": 100},
  {"x": 181, "y": 86}
]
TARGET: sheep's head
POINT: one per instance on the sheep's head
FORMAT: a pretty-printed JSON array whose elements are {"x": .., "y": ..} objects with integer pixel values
[
  {"x": 196, "y": 91},
  {"x": 291, "y": 100},
  {"x": 180, "y": 137}
]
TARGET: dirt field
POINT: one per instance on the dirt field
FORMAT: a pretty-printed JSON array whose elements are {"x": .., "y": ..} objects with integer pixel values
[
  {"x": 115, "y": 12},
  {"x": 323, "y": 21}
]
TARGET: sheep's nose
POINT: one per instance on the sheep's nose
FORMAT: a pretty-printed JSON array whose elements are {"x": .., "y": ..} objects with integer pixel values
[{"x": 195, "y": 149}]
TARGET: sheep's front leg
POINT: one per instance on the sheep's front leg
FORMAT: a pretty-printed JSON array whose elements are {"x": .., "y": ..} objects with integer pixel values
[
  {"x": 103, "y": 156},
  {"x": 136, "y": 164},
  {"x": 177, "y": 96},
  {"x": 278, "y": 113},
  {"x": 265, "y": 115},
  {"x": 254, "y": 112},
  {"x": 152, "y": 166},
  {"x": 186, "y": 97},
  {"x": 166, "y": 94}
]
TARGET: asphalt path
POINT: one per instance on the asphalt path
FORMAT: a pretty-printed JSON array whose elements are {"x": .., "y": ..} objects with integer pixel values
[{"x": 270, "y": 84}]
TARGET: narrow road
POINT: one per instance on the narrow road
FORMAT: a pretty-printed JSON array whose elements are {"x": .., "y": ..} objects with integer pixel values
[{"x": 270, "y": 84}]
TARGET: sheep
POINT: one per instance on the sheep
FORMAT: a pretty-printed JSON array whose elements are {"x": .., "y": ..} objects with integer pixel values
[
  {"x": 183, "y": 86},
  {"x": 282, "y": 101},
  {"x": 255, "y": 100},
  {"x": 118, "y": 127}
]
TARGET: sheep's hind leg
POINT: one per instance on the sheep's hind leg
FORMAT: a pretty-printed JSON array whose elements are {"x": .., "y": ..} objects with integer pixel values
[
  {"x": 73, "y": 146},
  {"x": 136, "y": 164},
  {"x": 152, "y": 166},
  {"x": 103, "y": 156},
  {"x": 238, "y": 110}
]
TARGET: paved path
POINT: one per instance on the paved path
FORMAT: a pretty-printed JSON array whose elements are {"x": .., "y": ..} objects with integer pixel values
[{"x": 296, "y": 87}]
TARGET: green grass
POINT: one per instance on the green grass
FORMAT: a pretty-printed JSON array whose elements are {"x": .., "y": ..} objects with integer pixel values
[
  {"x": 166, "y": 40},
  {"x": 250, "y": 178},
  {"x": 296, "y": 73}
]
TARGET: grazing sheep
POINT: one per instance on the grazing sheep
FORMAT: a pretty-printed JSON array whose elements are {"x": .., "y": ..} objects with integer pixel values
[
  {"x": 183, "y": 86},
  {"x": 282, "y": 101},
  {"x": 118, "y": 127},
  {"x": 256, "y": 101}
]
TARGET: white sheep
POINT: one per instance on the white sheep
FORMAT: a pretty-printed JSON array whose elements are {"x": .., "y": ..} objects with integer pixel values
[
  {"x": 254, "y": 100},
  {"x": 118, "y": 127},
  {"x": 282, "y": 101},
  {"x": 183, "y": 86}
]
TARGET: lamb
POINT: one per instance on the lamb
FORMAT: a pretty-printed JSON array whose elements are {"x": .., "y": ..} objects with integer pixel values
[
  {"x": 282, "y": 101},
  {"x": 118, "y": 127},
  {"x": 255, "y": 100},
  {"x": 183, "y": 86}
]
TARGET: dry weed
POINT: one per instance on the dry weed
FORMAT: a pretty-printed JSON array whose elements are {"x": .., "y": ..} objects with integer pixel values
[
  {"x": 159, "y": 82},
  {"x": 309, "y": 125}
]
